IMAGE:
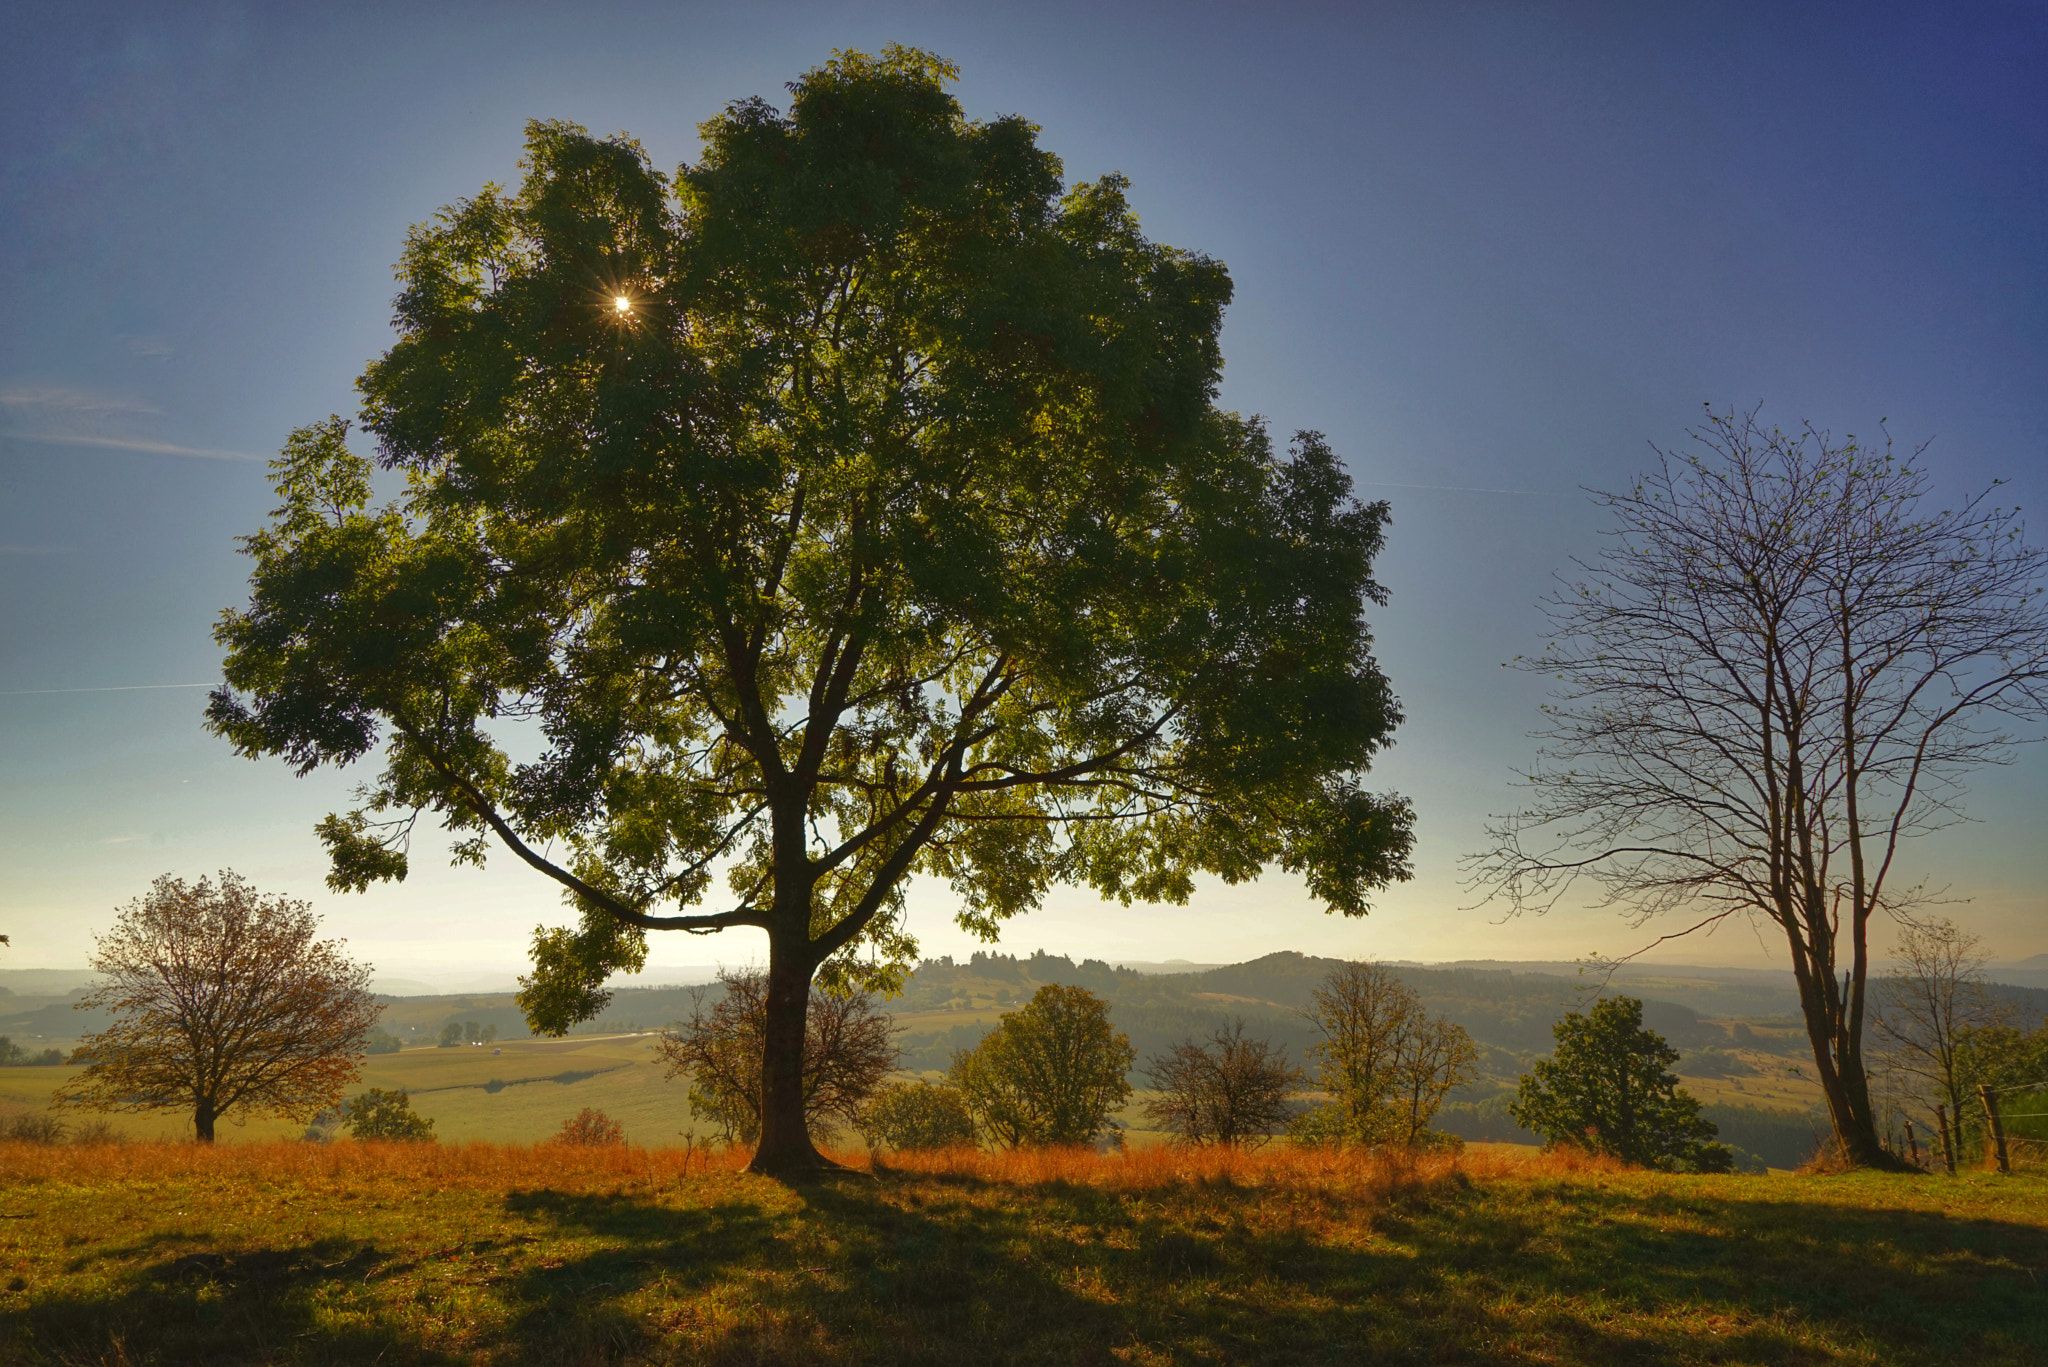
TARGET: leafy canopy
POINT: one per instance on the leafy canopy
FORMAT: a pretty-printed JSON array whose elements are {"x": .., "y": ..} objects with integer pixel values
[
  {"x": 849, "y": 505},
  {"x": 378, "y": 1114},
  {"x": 1605, "y": 1089}
]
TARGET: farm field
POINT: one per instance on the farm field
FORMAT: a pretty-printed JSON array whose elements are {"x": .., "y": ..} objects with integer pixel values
[
  {"x": 520, "y": 1094},
  {"x": 296, "y": 1253}
]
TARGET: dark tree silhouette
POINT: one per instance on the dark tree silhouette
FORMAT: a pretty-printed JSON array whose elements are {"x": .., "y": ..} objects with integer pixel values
[
  {"x": 1783, "y": 665},
  {"x": 853, "y": 504},
  {"x": 1229, "y": 1090}
]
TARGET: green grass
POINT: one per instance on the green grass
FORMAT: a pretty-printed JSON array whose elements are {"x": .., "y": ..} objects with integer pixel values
[
  {"x": 295, "y": 1253},
  {"x": 518, "y": 1095},
  {"x": 521, "y": 1094}
]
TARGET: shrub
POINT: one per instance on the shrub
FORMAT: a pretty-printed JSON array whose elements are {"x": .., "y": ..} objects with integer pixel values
[
  {"x": 378, "y": 1114},
  {"x": 33, "y": 1127},
  {"x": 916, "y": 1115},
  {"x": 383, "y": 1042},
  {"x": 590, "y": 1127},
  {"x": 96, "y": 1133}
]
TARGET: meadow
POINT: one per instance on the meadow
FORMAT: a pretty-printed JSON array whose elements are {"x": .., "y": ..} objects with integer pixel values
[
  {"x": 517, "y": 1091},
  {"x": 510, "y": 1091},
  {"x": 350, "y": 1253}
]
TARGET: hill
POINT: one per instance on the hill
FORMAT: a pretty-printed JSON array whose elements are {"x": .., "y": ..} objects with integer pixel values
[
  {"x": 296, "y": 1253},
  {"x": 1737, "y": 1062}
]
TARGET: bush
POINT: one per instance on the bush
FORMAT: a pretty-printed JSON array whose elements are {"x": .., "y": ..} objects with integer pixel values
[
  {"x": 589, "y": 1128},
  {"x": 916, "y": 1115},
  {"x": 378, "y": 1114},
  {"x": 33, "y": 1127},
  {"x": 95, "y": 1134},
  {"x": 383, "y": 1042}
]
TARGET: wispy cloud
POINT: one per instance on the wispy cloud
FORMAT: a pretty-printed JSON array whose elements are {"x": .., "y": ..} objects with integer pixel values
[
  {"x": 56, "y": 398},
  {"x": 36, "y": 550},
  {"x": 155, "y": 348},
  {"x": 135, "y": 444},
  {"x": 64, "y": 416}
]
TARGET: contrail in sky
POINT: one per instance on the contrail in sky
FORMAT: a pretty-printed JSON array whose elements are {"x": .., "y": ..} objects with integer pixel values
[
  {"x": 148, "y": 448},
  {"x": 118, "y": 688}
]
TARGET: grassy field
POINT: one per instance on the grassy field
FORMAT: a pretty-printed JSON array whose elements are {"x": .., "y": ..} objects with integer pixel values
[
  {"x": 299, "y": 1253},
  {"x": 511, "y": 1092},
  {"x": 520, "y": 1094}
]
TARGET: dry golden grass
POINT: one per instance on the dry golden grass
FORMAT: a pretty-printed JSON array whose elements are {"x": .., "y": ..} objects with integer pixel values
[{"x": 482, "y": 1253}]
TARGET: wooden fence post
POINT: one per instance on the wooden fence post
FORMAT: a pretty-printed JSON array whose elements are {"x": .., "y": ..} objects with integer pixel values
[
  {"x": 1989, "y": 1096},
  {"x": 1912, "y": 1144},
  {"x": 1948, "y": 1148}
]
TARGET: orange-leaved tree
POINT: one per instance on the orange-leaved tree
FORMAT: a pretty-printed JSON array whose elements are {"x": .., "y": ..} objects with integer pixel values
[{"x": 222, "y": 1001}]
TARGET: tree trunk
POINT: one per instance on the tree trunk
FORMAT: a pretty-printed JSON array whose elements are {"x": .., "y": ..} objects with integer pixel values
[
  {"x": 1839, "y": 1060},
  {"x": 203, "y": 1117},
  {"x": 785, "y": 1139}
]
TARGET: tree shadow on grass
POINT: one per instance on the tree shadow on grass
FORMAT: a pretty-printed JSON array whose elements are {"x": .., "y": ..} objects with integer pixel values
[
  {"x": 1912, "y": 1285},
  {"x": 570, "y": 1310},
  {"x": 921, "y": 1270},
  {"x": 231, "y": 1305},
  {"x": 928, "y": 1271}
]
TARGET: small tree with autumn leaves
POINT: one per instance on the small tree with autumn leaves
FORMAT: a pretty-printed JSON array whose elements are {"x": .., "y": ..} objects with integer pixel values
[
  {"x": 222, "y": 1001},
  {"x": 1386, "y": 1064}
]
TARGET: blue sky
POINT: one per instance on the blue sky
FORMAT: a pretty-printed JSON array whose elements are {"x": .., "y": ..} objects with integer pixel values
[{"x": 1493, "y": 250}]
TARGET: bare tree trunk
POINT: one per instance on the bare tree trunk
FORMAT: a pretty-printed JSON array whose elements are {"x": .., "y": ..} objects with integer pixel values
[
  {"x": 203, "y": 1116},
  {"x": 785, "y": 1137},
  {"x": 1838, "y": 1061}
]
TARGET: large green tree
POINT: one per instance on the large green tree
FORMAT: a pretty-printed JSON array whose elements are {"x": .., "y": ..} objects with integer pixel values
[{"x": 853, "y": 504}]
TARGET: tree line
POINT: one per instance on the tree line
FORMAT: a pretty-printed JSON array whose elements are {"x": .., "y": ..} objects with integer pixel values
[{"x": 223, "y": 1002}]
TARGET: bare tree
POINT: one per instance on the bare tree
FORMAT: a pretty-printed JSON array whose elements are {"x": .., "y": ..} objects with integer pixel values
[
  {"x": 1781, "y": 667},
  {"x": 1231, "y": 1090},
  {"x": 1925, "y": 1008},
  {"x": 1437, "y": 1056},
  {"x": 849, "y": 1048},
  {"x": 1386, "y": 1063},
  {"x": 222, "y": 1001}
]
